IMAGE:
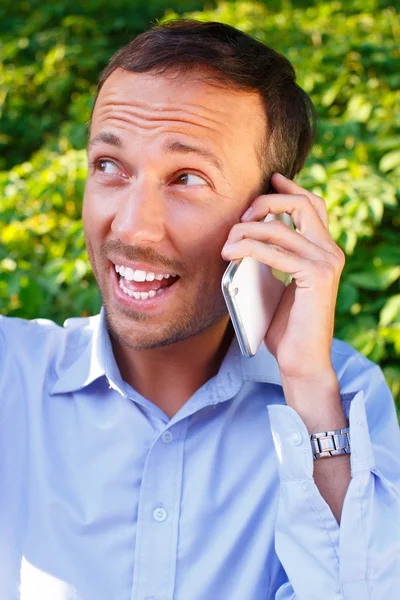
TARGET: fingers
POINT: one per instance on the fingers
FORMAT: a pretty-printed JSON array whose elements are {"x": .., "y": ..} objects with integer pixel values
[
  {"x": 276, "y": 233},
  {"x": 274, "y": 256},
  {"x": 297, "y": 206},
  {"x": 304, "y": 217},
  {"x": 301, "y": 210},
  {"x": 286, "y": 186},
  {"x": 312, "y": 274},
  {"x": 311, "y": 241}
]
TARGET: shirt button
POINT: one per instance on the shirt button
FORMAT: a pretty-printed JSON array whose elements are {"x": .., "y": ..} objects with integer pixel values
[
  {"x": 295, "y": 438},
  {"x": 166, "y": 437},
  {"x": 160, "y": 514}
]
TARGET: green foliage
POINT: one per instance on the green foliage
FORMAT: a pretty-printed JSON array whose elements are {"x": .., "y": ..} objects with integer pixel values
[
  {"x": 347, "y": 58},
  {"x": 52, "y": 53}
]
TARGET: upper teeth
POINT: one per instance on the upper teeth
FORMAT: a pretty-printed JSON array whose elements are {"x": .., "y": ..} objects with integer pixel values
[{"x": 139, "y": 275}]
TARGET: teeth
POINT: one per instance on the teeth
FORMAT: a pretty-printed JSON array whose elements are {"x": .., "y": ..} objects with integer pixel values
[
  {"x": 124, "y": 289},
  {"x": 129, "y": 273},
  {"x": 140, "y": 275},
  {"x": 139, "y": 295}
]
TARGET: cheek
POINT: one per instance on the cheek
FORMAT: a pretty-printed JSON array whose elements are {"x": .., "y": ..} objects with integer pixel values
[
  {"x": 96, "y": 216},
  {"x": 202, "y": 242}
]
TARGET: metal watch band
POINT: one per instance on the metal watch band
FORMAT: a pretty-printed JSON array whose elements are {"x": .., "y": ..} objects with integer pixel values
[{"x": 330, "y": 443}]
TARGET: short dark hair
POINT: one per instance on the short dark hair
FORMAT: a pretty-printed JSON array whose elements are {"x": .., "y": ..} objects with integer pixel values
[{"x": 237, "y": 61}]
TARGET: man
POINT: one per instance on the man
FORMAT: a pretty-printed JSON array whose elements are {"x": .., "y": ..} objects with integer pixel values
[{"x": 142, "y": 457}]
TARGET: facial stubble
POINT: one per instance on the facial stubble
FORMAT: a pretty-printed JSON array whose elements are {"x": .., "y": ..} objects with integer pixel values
[{"x": 188, "y": 322}]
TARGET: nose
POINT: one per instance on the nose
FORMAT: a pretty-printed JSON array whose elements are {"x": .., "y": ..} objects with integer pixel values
[{"x": 140, "y": 217}]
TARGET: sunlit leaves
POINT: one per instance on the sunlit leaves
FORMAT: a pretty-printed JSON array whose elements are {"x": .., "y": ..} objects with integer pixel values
[
  {"x": 390, "y": 313},
  {"x": 390, "y": 161}
]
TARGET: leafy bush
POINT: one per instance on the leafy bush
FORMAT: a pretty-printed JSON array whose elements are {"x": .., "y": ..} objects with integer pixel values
[{"x": 347, "y": 58}]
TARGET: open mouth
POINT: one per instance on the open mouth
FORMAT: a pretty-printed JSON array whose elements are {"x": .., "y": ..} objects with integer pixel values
[{"x": 143, "y": 285}]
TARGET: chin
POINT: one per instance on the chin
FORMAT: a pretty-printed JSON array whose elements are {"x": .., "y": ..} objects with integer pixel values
[{"x": 136, "y": 335}]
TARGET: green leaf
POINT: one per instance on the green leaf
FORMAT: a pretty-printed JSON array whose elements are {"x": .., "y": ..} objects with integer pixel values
[
  {"x": 347, "y": 296},
  {"x": 391, "y": 311},
  {"x": 375, "y": 207},
  {"x": 389, "y": 161},
  {"x": 392, "y": 376},
  {"x": 375, "y": 279}
]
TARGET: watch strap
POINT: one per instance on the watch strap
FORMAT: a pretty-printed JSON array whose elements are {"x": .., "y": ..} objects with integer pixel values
[{"x": 330, "y": 443}]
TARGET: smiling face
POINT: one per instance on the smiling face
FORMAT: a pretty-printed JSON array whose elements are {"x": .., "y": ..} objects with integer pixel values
[{"x": 173, "y": 165}]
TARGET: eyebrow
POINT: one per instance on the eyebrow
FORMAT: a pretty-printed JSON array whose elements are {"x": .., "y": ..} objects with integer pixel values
[
  {"x": 106, "y": 137},
  {"x": 184, "y": 149},
  {"x": 176, "y": 147}
]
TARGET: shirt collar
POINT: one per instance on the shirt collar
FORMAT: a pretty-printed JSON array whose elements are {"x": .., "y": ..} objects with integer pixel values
[
  {"x": 91, "y": 357},
  {"x": 84, "y": 357},
  {"x": 237, "y": 369}
]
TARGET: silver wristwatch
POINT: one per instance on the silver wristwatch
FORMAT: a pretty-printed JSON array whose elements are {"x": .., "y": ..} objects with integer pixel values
[{"x": 330, "y": 443}]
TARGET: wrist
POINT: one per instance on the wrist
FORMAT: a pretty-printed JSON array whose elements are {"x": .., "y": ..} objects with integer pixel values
[{"x": 317, "y": 401}]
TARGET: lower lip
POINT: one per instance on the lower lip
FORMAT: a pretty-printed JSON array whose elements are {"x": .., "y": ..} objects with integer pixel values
[{"x": 132, "y": 303}]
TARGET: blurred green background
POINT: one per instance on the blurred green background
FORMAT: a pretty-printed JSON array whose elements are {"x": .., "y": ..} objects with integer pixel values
[{"x": 347, "y": 58}]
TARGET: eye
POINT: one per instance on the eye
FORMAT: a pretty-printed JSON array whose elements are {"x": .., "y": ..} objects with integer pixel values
[
  {"x": 108, "y": 167},
  {"x": 189, "y": 179}
]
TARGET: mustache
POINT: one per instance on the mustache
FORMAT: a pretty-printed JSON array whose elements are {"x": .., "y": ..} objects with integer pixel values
[{"x": 144, "y": 254}]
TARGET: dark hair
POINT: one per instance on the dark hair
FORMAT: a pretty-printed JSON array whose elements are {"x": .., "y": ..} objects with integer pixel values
[{"x": 228, "y": 57}]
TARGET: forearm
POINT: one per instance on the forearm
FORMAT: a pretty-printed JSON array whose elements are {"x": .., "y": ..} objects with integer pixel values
[
  {"x": 361, "y": 558},
  {"x": 317, "y": 402}
]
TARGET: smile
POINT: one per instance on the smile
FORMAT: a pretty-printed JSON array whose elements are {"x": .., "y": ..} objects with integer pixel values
[{"x": 143, "y": 285}]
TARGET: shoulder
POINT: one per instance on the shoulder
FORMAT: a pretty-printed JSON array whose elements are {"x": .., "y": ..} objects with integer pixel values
[
  {"x": 345, "y": 358},
  {"x": 356, "y": 373},
  {"x": 352, "y": 368},
  {"x": 42, "y": 340}
]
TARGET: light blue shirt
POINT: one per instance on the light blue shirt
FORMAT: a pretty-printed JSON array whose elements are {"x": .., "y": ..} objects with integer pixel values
[{"x": 102, "y": 497}]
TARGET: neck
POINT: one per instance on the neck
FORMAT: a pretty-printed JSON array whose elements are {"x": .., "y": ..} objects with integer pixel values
[{"x": 168, "y": 376}]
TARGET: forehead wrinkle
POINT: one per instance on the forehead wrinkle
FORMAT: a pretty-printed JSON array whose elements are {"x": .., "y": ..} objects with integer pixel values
[
  {"x": 179, "y": 126},
  {"x": 113, "y": 97},
  {"x": 163, "y": 112}
]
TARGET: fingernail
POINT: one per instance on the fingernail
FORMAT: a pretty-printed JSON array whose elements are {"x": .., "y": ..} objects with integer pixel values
[
  {"x": 227, "y": 247},
  {"x": 247, "y": 214}
]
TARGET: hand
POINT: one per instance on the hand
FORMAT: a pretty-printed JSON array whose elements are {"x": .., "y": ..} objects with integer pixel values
[{"x": 300, "y": 335}]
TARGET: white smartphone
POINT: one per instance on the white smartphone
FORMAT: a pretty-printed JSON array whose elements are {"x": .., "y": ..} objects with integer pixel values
[{"x": 252, "y": 292}]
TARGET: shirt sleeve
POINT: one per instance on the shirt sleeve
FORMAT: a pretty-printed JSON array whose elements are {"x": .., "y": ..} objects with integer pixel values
[
  {"x": 361, "y": 558},
  {"x": 2, "y": 349}
]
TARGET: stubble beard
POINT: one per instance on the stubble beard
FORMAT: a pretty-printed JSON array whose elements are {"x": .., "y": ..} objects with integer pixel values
[{"x": 208, "y": 309}]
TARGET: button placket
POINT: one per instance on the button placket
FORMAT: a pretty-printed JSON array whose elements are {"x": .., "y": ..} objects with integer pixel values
[
  {"x": 158, "y": 516},
  {"x": 166, "y": 437}
]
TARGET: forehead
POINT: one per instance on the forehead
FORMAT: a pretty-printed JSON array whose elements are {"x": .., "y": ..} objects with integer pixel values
[{"x": 146, "y": 104}]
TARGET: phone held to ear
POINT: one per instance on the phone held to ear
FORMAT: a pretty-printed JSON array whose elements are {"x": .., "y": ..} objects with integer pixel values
[{"x": 252, "y": 292}]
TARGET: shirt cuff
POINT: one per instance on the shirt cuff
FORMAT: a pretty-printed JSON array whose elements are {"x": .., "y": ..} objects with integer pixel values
[{"x": 292, "y": 442}]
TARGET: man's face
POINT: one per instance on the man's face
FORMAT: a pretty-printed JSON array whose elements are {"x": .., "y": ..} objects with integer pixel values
[{"x": 173, "y": 165}]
